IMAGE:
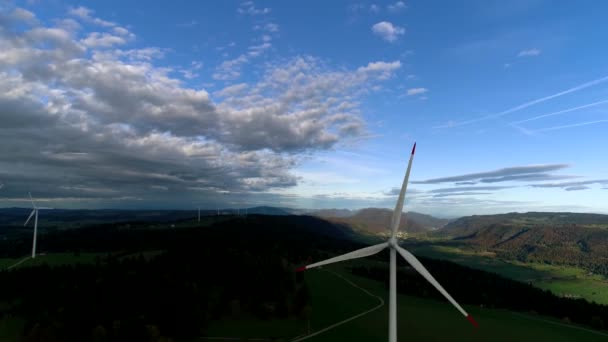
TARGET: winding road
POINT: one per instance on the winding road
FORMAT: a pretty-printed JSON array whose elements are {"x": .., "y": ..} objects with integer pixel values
[{"x": 335, "y": 325}]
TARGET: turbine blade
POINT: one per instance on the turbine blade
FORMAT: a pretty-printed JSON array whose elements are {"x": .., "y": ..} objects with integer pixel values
[
  {"x": 360, "y": 253},
  {"x": 399, "y": 207},
  {"x": 1, "y": 186},
  {"x": 32, "y": 200},
  {"x": 411, "y": 259},
  {"x": 29, "y": 217}
]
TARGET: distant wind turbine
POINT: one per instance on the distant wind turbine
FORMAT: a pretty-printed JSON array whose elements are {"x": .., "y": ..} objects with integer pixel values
[
  {"x": 394, "y": 247},
  {"x": 35, "y": 214},
  {"x": 199, "y": 214}
]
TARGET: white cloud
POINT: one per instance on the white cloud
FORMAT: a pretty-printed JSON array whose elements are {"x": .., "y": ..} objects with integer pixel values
[
  {"x": 269, "y": 27},
  {"x": 121, "y": 31},
  {"x": 529, "y": 53},
  {"x": 248, "y": 7},
  {"x": 24, "y": 15},
  {"x": 85, "y": 14},
  {"x": 374, "y": 8},
  {"x": 118, "y": 119},
  {"x": 397, "y": 6},
  {"x": 416, "y": 91},
  {"x": 257, "y": 50},
  {"x": 384, "y": 69},
  {"x": 97, "y": 39},
  {"x": 388, "y": 31},
  {"x": 232, "y": 90},
  {"x": 230, "y": 69}
]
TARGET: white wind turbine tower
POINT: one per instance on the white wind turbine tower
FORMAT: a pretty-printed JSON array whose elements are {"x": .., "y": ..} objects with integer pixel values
[
  {"x": 35, "y": 214},
  {"x": 394, "y": 247}
]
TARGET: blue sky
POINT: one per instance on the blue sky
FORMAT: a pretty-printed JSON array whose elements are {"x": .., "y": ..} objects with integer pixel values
[{"x": 305, "y": 104}]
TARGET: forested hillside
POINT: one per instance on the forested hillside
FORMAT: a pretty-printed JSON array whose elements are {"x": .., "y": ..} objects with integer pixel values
[
  {"x": 377, "y": 220},
  {"x": 563, "y": 238}
]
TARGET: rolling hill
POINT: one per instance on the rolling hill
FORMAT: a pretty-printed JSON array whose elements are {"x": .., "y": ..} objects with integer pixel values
[
  {"x": 377, "y": 221},
  {"x": 563, "y": 238}
]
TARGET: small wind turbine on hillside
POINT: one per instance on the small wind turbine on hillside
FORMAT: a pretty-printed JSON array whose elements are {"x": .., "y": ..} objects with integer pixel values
[
  {"x": 394, "y": 247},
  {"x": 35, "y": 214}
]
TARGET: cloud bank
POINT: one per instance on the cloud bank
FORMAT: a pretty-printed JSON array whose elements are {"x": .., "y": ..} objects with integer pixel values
[{"x": 87, "y": 117}]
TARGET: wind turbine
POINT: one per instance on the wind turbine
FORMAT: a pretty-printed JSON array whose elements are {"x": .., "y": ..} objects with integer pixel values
[
  {"x": 199, "y": 214},
  {"x": 394, "y": 247},
  {"x": 35, "y": 214}
]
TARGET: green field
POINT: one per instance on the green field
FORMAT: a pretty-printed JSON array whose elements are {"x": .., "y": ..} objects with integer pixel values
[
  {"x": 561, "y": 280},
  {"x": 423, "y": 319},
  {"x": 252, "y": 328},
  {"x": 335, "y": 300},
  {"x": 52, "y": 259},
  {"x": 10, "y": 329}
]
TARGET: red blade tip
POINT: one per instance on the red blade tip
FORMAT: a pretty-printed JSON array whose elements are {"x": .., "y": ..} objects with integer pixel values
[
  {"x": 414, "y": 149},
  {"x": 470, "y": 318},
  {"x": 301, "y": 269}
]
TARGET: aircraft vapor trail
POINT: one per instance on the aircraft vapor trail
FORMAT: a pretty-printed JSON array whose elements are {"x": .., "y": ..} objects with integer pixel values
[
  {"x": 572, "y": 125},
  {"x": 561, "y": 112},
  {"x": 528, "y": 104}
]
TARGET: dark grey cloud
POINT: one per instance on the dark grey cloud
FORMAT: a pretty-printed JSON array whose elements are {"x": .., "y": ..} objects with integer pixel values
[
  {"x": 527, "y": 177},
  {"x": 462, "y": 189},
  {"x": 465, "y": 183},
  {"x": 496, "y": 174},
  {"x": 396, "y": 191},
  {"x": 471, "y": 193},
  {"x": 570, "y": 184},
  {"x": 576, "y": 188}
]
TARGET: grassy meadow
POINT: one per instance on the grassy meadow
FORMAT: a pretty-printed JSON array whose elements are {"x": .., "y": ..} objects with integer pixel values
[{"x": 560, "y": 279}]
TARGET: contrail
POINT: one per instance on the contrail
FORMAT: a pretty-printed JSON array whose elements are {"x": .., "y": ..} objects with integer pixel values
[
  {"x": 561, "y": 112},
  {"x": 527, "y": 104},
  {"x": 572, "y": 125}
]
